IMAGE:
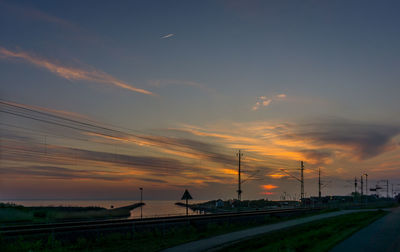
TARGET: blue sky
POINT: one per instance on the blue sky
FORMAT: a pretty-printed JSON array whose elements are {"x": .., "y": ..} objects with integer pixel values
[{"x": 169, "y": 68}]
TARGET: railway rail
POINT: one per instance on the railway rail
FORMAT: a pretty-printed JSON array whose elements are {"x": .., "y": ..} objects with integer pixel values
[{"x": 127, "y": 223}]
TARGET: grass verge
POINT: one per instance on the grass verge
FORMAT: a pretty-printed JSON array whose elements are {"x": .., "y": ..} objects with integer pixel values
[
  {"x": 11, "y": 214},
  {"x": 316, "y": 236}
]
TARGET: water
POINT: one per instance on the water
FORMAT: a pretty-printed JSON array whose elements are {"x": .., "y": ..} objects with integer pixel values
[{"x": 153, "y": 208}]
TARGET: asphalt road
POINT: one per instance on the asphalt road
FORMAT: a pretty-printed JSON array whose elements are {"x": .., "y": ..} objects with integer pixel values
[
  {"x": 220, "y": 240},
  {"x": 382, "y": 235}
]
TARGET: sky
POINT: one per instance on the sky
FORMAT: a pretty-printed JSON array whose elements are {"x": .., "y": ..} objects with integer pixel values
[{"x": 99, "y": 98}]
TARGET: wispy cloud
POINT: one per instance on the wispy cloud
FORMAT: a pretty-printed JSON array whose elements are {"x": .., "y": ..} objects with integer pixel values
[
  {"x": 363, "y": 140},
  {"x": 264, "y": 101},
  {"x": 56, "y": 172},
  {"x": 27, "y": 13},
  {"x": 181, "y": 147},
  {"x": 321, "y": 142},
  {"x": 168, "y": 36},
  {"x": 86, "y": 128},
  {"x": 114, "y": 166},
  {"x": 35, "y": 14},
  {"x": 200, "y": 156},
  {"x": 208, "y": 152},
  {"x": 70, "y": 73}
]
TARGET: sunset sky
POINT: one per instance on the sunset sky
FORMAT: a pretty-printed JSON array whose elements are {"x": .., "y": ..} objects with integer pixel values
[{"x": 99, "y": 98}]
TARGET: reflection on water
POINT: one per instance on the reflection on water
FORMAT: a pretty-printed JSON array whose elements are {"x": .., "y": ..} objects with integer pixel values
[
  {"x": 160, "y": 208},
  {"x": 152, "y": 208}
]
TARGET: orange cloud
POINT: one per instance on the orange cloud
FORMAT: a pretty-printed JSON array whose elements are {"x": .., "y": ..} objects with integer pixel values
[
  {"x": 268, "y": 140},
  {"x": 269, "y": 187},
  {"x": 277, "y": 176},
  {"x": 231, "y": 138},
  {"x": 267, "y": 193},
  {"x": 71, "y": 73},
  {"x": 230, "y": 171}
]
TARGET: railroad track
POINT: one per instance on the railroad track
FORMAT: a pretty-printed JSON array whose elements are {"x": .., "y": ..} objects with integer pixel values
[{"x": 124, "y": 223}]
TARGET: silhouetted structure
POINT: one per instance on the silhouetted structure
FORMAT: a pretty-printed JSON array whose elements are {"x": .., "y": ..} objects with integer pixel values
[{"x": 186, "y": 196}]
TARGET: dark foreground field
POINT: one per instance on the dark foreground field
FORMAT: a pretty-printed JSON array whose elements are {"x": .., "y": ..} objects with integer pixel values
[
  {"x": 316, "y": 236},
  {"x": 157, "y": 239}
]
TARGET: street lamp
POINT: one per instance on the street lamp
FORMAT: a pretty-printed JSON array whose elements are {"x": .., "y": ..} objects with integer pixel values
[
  {"x": 366, "y": 181},
  {"x": 141, "y": 202}
]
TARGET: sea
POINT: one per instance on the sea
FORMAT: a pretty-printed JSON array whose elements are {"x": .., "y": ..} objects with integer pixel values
[{"x": 152, "y": 208}]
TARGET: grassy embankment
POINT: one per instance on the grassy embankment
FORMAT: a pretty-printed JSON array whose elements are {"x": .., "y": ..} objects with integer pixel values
[
  {"x": 316, "y": 236},
  {"x": 15, "y": 214},
  {"x": 251, "y": 205},
  {"x": 141, "y": 241},
  {"x": 226, "y": 206}
]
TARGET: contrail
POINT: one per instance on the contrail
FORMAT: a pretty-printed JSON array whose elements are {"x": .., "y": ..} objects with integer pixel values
[{"x": 167, "y": 36}]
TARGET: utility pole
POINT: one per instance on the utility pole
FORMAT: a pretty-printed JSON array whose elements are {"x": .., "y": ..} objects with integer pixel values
[
  {"x": 302, "y": 180},
  {"x": 355, "y": 186},
  {"x": 392, "y": 191},
  {"x": 141, "y": 202},
  {"x": 319, "y": 183},
  {"x": 239, "y": 191},
  {"x": 362, "y": 186},
  {"x": 387, "y": 188},
  {"x": 366, "y": 187}
]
